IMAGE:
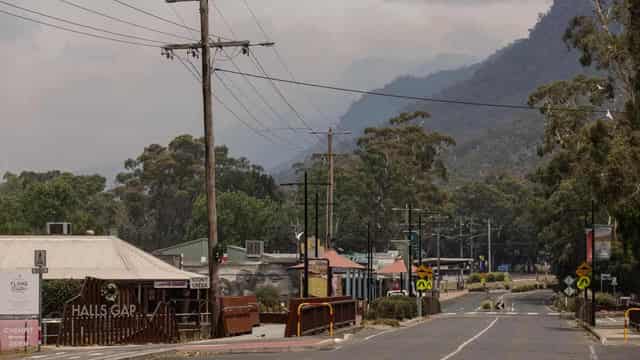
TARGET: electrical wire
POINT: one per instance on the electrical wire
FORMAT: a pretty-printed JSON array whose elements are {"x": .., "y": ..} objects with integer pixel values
[
  {"x": 78, "y": 31},
  {"x": 81, "y": 25},
  {"x": 148, "y": 13},
  {"x": 281, "y": 58},
  {"x": 264, "y": 128},
  {"x": 277, "y": 90},
  {"x": 406, "y": 97},
  {"x": 96, "y": 12},
  {"x": 196, "y": 75}
]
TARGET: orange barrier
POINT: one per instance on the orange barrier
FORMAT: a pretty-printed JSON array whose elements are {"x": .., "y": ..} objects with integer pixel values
[
  {"x": 626, "y": 321},
  {"x": 303, "y": 305}
]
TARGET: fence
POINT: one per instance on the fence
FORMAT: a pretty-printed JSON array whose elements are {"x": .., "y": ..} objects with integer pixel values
[{"x": 315, "y": 319}]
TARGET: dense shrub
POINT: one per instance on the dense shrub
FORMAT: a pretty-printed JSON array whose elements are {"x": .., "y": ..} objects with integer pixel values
[
  {"x": 605, "y": 300},
  {"x": 525, "y": 287},
  {"x": 268, "y": 298},
  {"x": 486, "y": 305},
  {"x": 474, "y": 278},
  {"x": 491, "y": 277},
  {"x": 393, "y": 307},
  {"x": 55, "y": 293},
  {"x": 500, "y": 276}
]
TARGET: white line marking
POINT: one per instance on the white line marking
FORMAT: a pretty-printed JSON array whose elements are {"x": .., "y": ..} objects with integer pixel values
[
  {"x": 476, "y": 336},
  {"x": 61, "y": 353},
  {"x": 553, "y": 314},
  {"x": 533, "y": 313},
  {"x": 612, "y": 319},
  {"x": 449, "y": 314},
  {"x": 594, "y": 356},
  {"x": 471, "y": 313},
  {"x": 512, "y": 313},
  {"x": 96, "y": 354},
  {"x": 74, "y": 357},
  {"x": 378, "y": 334},
  {"x": 492, "y": 313},
  {"x": 37, "y": 356}
]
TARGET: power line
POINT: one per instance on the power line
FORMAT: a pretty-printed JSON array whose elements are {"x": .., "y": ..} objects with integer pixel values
[
  {"x": 228, "y": 25},
  {"x": 96, "y": 12},
  {"x": 246, "y": 109},
  {"x": 80, "y": 25},
  {"x": 406, "y": 97},
  {"x": 196, "y": 75},
  {"x": 277, "y": 90},
  {"x": 148, "y": 13},
  {"x": 281, "y": 58},
  {"x": 77, "y": 31}
]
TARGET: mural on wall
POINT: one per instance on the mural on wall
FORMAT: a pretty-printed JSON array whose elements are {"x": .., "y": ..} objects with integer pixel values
[{"x": 240, "y": 281}]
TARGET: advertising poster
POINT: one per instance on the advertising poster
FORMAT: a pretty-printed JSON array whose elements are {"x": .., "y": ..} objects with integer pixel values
[
  {"x": 604, "y": 236},
  {"x": 18, "y": 293},
  {"x": 16, "y": 334}
]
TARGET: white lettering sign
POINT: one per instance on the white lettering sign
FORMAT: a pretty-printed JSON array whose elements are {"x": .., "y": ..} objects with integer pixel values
[
  {"x": 18, "y": 293},
  {"x": 102, "y": 311}
]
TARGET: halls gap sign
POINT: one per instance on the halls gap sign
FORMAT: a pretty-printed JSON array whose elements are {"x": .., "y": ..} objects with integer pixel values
[{"x": 103, "y": 310}]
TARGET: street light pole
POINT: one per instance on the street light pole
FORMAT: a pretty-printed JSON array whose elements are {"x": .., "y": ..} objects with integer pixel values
[
  {"x": 593, "y": 262},
  {"x": 489, "y": 236},
  {"x": 305, "y": 282},
  {"x": 410, "y": 266}
]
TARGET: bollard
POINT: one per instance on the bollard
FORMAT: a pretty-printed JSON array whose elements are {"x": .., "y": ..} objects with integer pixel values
[{"x": 626, "y": 321}]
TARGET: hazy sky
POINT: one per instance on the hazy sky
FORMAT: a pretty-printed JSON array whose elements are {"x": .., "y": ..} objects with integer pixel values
[{"x": 84, "y": 104}]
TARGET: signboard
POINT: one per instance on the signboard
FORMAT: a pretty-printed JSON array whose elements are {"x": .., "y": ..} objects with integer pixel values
[
  {"x": 424, "y": 284},
  {"x": 170, "y": 284},
  {"x": 604, "y": 235},
  {"x": 199, "y": 283},
  {"x": 614, "y": 281},
  {"x": 569, "y": 280},
  {"x": 569, "y": 291},
  {"x": 13, "y": 334},
  {"x": 319, "y": 277},
  {"x": 605, "y": 277},
  {"x": 424, "y": 271},
  {"x": 583, "y": 270},
  {"x": 583, "y": 282},
  {"x": 18, "y": 293},
  {"x": 40, "y": 258}
]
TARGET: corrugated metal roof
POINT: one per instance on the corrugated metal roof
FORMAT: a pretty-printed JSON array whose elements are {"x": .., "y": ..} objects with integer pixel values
[
  {"x": 76, "y": 257},
  {"x": 335, "y": 261},
  {"x": 396, "y": 268}
]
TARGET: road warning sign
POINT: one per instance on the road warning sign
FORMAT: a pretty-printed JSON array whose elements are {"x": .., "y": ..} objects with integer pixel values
[
  {"x": 423, "y": 285},
  {"x": 583, "y": 282},
  {"x": 583, "y": 270},
  {"x": 424, "y": 272}
]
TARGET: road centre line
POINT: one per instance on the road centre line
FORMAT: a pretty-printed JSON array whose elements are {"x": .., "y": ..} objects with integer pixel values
[{"x": 472, "y": 339}]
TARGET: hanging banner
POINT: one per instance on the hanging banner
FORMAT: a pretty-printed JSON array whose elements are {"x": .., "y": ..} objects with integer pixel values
[
  {"x": 18, "y": 293},
  {"x": 604, "y": 236}
]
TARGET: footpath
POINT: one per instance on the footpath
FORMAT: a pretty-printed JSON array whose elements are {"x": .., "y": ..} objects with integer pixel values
[{"x": 609, "y": 330}]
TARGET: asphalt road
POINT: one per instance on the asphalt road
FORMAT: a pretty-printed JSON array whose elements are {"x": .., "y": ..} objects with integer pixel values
[{"x": 534, "y": 333}]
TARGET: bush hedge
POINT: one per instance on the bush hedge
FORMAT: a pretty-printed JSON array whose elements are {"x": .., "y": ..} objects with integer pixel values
[
  {"x": 605, "y": 300},
  {"x": 393, "y": 307},
  {"x": 490, "y": 277}
]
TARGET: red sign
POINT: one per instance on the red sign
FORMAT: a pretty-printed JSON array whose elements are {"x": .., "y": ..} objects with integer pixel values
[{"x": 16, "y": 334}]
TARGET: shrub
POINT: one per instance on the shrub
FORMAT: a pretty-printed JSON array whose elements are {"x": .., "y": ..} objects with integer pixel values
[
  {"x": 474, "y": 278},
  {"x": 393, "y": 307},
  {"x": 491, "y": 277},
  {"x": 486, "y": 305},
  {"x": 524, "y": 287},
  {"x": 55, "y": 293},
  {"x": 385, "y": 322},
  {"x": 500, "y": 276},
  {"x": 269, "y": 298},
  {"x": 605, "y": 300}
]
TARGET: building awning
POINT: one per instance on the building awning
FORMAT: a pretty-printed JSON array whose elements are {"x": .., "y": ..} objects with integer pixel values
[
  {"x": 335, "y": 261},
  {"x": 78, "y": 257},
  {"x": 396, "y": 268}
]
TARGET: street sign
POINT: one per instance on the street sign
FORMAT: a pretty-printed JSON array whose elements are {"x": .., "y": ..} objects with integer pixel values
[
  {"x": 569, "y": 280},
  {"x": 583, "y": 282},
  {"x": 424, "y": 284},
  {"x": 584, "y": 269},
  {"x": 424, "y": 271},
  {"x": 40, "y": 270},
  {"x": 614, "y": 281},
  {"x": 569, "y": 291},
  {"x": 605, "y": 277},
  {"x": 40, "y": 258}
]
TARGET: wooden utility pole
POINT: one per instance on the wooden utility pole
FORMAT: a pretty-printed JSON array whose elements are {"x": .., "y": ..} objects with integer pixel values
[
  {"x": 331, "y": 187},
  {"x": 210, "y": 161}
]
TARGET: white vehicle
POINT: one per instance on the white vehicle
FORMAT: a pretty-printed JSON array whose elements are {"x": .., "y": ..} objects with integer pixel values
[{"x": 397, "y": 293}]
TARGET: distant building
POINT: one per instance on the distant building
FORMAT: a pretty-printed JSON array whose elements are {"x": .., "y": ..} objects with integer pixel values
[{"x": 242, "y": 272}]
